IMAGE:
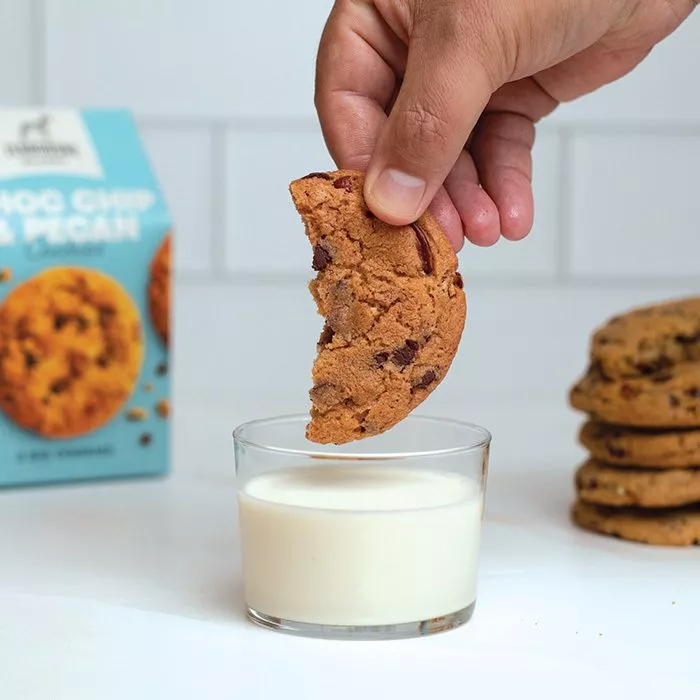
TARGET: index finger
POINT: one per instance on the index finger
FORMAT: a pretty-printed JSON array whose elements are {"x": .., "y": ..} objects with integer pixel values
[{"x": 357, "y": 68}]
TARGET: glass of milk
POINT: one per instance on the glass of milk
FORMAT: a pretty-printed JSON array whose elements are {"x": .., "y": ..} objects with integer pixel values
[{"x": 377, "y": 539}]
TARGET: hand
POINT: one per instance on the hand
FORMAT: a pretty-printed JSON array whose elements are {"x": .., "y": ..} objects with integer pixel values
[{"x": 438, "y": 99}]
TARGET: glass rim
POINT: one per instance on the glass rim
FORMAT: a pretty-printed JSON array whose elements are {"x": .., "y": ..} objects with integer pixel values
[{"x": 469, "y": 446}]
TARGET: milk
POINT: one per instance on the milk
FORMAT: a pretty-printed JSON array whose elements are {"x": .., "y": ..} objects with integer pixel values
[{"x": 349, "y": 545}]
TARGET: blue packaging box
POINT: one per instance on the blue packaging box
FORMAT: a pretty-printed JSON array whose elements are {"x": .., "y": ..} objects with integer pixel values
[{"x": 85, "y": 290}]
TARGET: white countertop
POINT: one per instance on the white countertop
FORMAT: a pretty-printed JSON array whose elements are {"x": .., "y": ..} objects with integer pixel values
[{"x": 132, "y": 590}]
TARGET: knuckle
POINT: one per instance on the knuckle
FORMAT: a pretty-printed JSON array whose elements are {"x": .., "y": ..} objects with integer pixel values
[{"x": 424, "y": 126}]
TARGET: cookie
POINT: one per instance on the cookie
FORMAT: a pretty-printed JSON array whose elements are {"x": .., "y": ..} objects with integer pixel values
[
  {"x": 641, "y": 448},
  {"x": 159, "y": 290},
  {"x": 648, "y": 488},
  {"x": 71, "y": 349},
  {"x": 678, "y": 527},
  {"x": 394, "y": 307},
  {"x": 669, "y": 398},
  {"x": 646, "y": 340}
]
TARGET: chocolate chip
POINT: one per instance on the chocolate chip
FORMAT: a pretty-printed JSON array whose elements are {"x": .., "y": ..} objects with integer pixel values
[
  {"x": 106, "y": 315},
  {"x": 662, "y": 377},
  {"x": 379, "y": 359},
  {"x": 687, "y": 339},
  {"x": 662, "y": 362},
  {"x": 616, "y": 452},
  {"x": 102, "y": 361},
  {"x": 22, "y": 331},
  {"x": 145, "y": 439},
  {"x": 326, "y": 395},
  {"x": 628, "y": 392},
  {"x": 343, "y": 183},
  {"x": 320, "y": 389},
  {"x": 361, "y": 417},
  {"x": 423, "y": 248},
  {"x": 404, "y": 355},
  {"x": 426, "y": 380},
  {"x": 59, "y": 386},
  {"x": 459, "y": 282},
  {"x": 82, "y": 323},
  {"x": 674, "y": 401},
  {"x": 593, "y": 483},
  {"x": 369, "y": 214},
  {"x": 317, "y": 176},
  {"x": 693, "y": 392},
  {"x": 321, "y": 259},
  {"x": 597, "y": 368},
  {"x": 60, "y": 321},
  {"x": 30, "y": 360},
  {"x": 326, "y": 335},
  {"x": 162, "y": 369},
  {"x": 78, "y": 364}
]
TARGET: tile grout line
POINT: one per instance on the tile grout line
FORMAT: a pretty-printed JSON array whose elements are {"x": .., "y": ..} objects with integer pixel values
[
  {"x": 564, "y": 202},
  {"x": 244, "y": 124},
  {"x": 309, "y": 124},
  {"x": 578, "y": 282},
  {"x": 217, "y": 202},
  {"x": 37, "y": 51}
]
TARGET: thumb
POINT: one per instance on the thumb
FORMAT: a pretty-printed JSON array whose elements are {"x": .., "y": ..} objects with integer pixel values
[{"x": 444, "y": 91}]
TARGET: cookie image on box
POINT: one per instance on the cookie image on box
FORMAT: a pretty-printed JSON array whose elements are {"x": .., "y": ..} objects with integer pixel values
[
  {"x": 393, "y": 304},
  {"x": 159, "y": 289},
  {"x": 71, "y": 349}
]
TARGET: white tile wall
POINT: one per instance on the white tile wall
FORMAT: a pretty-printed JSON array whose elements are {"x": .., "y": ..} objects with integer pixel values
[
  {"x": 664, "y": 88},
  {"x": 517, "y": 346},
  {"x": 264, "y": 230},
  {"x": 182, "y": 158},
  {"x": 224, "y": 91},
  {"x": 538, "y": 254},
  {"x": 15, "y": 52},
  {"x": 186, "y": 58},
  {"x": 636, "y": 205}
]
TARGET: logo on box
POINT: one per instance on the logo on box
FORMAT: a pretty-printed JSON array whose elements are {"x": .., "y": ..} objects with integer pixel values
[{"x": 51, "y": 142}]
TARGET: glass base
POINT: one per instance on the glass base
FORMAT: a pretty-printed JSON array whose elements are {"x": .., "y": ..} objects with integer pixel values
[{"x": 366, "y": 632}]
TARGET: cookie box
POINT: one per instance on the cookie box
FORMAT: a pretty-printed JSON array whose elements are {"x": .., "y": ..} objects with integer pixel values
[{"x": 84, "y": 300}]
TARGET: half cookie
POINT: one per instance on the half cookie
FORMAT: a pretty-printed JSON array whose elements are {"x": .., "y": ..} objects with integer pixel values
[{"x": 394, "y": 308}]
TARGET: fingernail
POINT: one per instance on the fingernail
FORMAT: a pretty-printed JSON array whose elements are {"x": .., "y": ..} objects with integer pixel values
[{"x": 397, "y": 193}]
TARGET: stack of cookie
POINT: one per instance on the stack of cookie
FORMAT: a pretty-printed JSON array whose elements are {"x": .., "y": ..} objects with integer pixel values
[{"x": 642, "y": 396}]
